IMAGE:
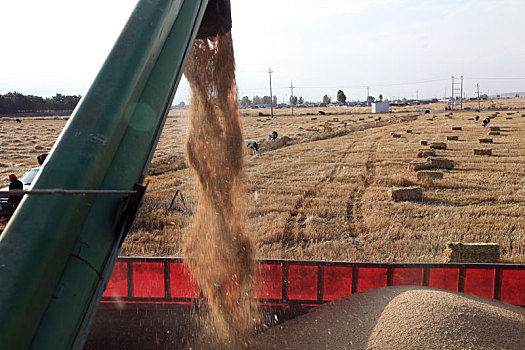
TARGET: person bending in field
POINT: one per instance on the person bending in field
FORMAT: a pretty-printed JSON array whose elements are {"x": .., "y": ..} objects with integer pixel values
[{"x": 15, "y": 185}]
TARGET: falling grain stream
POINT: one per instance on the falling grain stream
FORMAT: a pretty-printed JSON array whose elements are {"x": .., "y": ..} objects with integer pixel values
[{"x": 222, "y": 254}]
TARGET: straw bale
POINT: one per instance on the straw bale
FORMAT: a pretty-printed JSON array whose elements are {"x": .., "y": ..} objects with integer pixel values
[
  {"x": 472, "y": 252},
  {"x": 452, "y": 137},
  {"x": 423, "y": 142},
  {"x": 508, "y": 118},
  {"x": 433, "y": 175},
  {"x": 409, "y": 131},
  {"x": 494, "y": 133},
  {"x": 440, "y": 163},
  {"x": 424, "y": 153},
  {"x": 494, "y": 128},
  {"x": 470, "y": 118},
  {"x": 417, "y": 165},
  {"x": 395, "y": 135},
  {"x": 457, "y": 128},
  {"x": 485, "y": 140},
  {"x": 482, "y": 151},
  {"x": 438, "y": 145},
  {"x": 406, "y": 193}
]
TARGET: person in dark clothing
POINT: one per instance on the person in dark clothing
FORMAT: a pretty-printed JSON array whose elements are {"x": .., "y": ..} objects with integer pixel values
[{"x": 15, "y": 185}]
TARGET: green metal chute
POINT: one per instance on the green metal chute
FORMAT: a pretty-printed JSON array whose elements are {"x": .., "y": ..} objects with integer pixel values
[{"x": 56, "y": 251}]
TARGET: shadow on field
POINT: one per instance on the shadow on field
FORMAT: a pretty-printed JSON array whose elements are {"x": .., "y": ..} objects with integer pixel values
[{"x": 441, "y": 202}]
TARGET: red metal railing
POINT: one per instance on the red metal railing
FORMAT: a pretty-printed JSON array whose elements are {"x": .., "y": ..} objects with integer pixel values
[{"x": 166, "y": 280}]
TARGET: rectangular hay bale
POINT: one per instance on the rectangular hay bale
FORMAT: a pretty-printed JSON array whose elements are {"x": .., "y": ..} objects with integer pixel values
[
  {"x": 482, "y": 151},
  {"x": 452, "y": 138},
  {"x": 418, "y": 165},
  {"x": 456, "y": 128},
  {"x": 440, "y": 163},
  {"x": 494, "y": 128},
  {"x": 409, "y": 131},
  {"x": 423, "y": 142},
  {"x": 425, "y": 153},
  {"x": 438, "y": 145},
  {"x": 472, "y": 252},
  {"x": 486, "y": 140},
  {"x": 406, "y": 193},
  {"x": 432, "y": 175},
  {"x": 494, "y": 133},
  {"x": 395, "y": 135}
]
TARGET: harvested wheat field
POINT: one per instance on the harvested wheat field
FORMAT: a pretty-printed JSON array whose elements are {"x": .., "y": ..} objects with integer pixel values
[
  {"x": 403, "y": 318},
  {"x": 322, "y": 190}
]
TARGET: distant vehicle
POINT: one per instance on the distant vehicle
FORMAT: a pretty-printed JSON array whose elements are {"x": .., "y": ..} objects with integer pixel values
[{"x": 6, "y": 208}]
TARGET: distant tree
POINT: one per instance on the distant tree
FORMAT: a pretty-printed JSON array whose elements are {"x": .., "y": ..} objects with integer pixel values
[
  {"x": 257, "y": 100},
  {"x": 293, "y": 100},
  {"x": 301, "y": 100},
  {"x": 14, "y": 102},
  {"x": 341, "y": 97},
  {"x": 380, "y": 97},
  {"x": 326, "y": 99},
  {"x": 274, "y": 100},
  {"x": 245, "y": 101},
  {"x": 182, "y": 104},
  {"x": 62, "y": 102},
  {"x": 370, "y": 99}
]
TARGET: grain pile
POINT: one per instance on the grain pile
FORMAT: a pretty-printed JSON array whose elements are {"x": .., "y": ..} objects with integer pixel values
[
  {"x": 403, "y": 318},
  {"x": 222, "y": 254}
]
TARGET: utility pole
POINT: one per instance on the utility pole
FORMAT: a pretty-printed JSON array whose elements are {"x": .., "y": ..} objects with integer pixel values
[
  {"x": 367, "y": 94},
  {"x": 461, "y": 98},
  {"x": 292, "y": 100},
  {"x": 452, "y": 98},
  {"x": 479, "y": 103},
  {"x": 417, "y": 95},
  {"x": 271, "y": 94}
]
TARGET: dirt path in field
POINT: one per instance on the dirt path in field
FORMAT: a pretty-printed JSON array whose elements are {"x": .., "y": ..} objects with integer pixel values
[
  {"x": 296, "y": 223},
  {"x": 370, "y": 170}
]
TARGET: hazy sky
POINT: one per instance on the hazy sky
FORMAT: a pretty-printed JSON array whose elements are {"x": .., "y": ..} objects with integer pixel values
[{"x": 396, "y": 47}]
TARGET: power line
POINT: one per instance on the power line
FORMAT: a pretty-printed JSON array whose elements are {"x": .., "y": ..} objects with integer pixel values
[{"x": 494, "y": 78}]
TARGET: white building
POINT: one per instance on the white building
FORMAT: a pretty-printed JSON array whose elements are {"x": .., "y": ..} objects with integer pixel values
[{"x": 380, "y": 107}]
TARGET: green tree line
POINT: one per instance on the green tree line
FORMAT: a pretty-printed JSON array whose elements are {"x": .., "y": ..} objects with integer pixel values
[
  {"x": 257, "y": 100},
  {"x": 14, "y": 102}
]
